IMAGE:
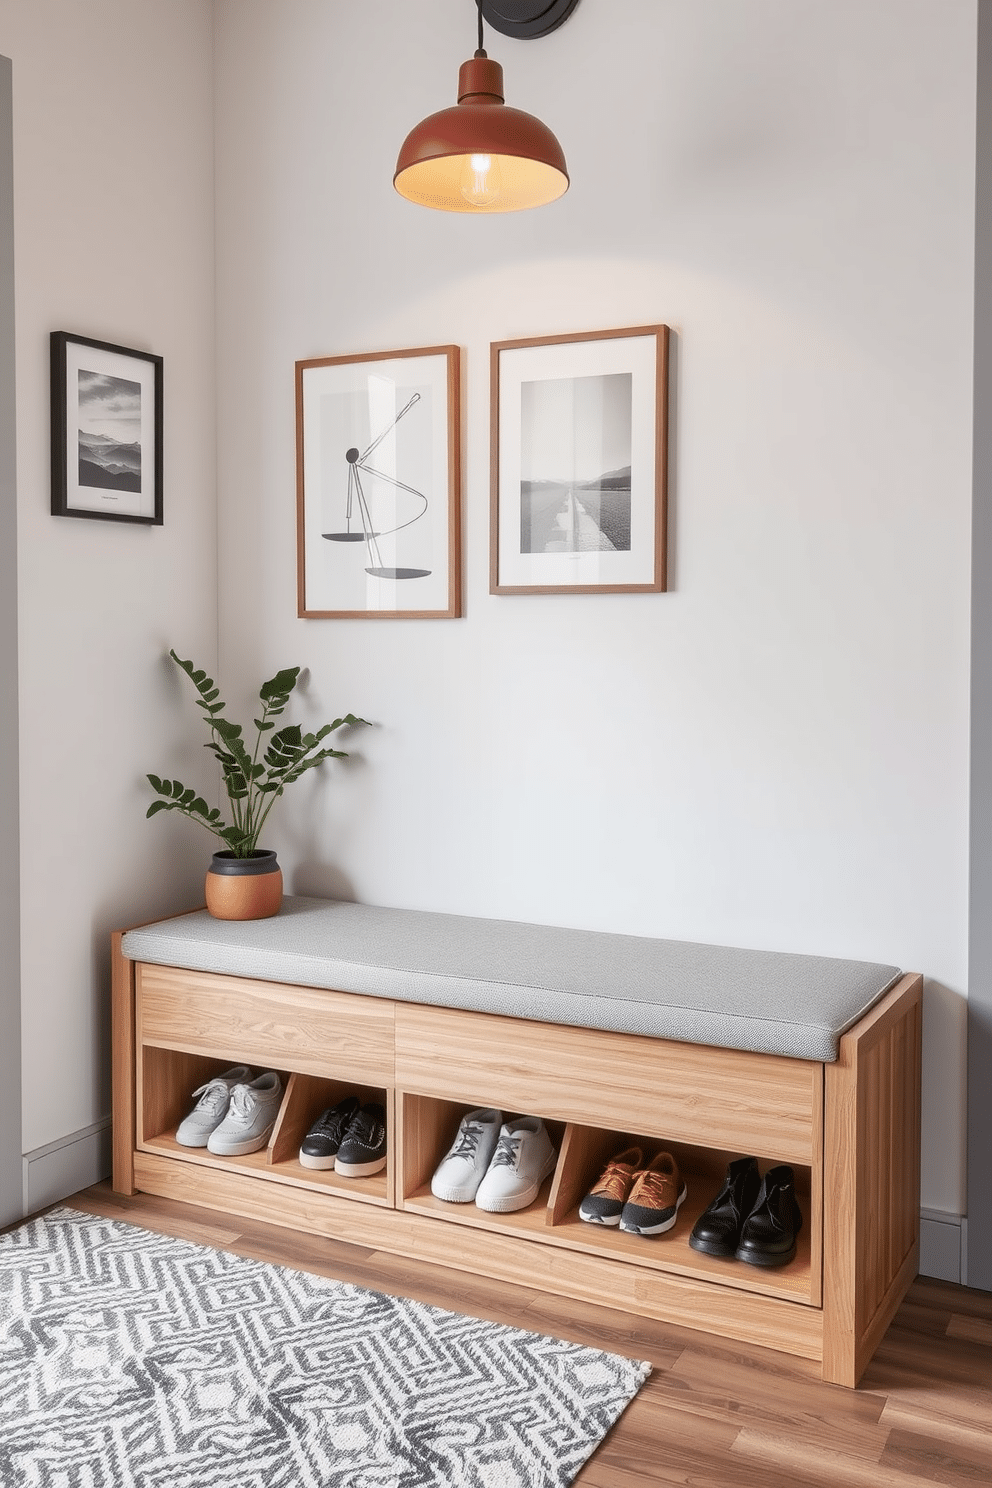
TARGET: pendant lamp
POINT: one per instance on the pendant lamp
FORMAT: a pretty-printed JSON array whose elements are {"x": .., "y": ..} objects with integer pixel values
[{"x": 482, "y": 156}]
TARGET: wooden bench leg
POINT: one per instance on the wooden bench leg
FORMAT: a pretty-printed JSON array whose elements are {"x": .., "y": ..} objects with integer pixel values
[
  {"x": 871, "y": 1179},
  {"x": 122, "y": 1062}
]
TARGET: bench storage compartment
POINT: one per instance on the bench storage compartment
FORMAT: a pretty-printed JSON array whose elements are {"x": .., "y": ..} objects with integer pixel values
[{"x": 848, "y": 1125}]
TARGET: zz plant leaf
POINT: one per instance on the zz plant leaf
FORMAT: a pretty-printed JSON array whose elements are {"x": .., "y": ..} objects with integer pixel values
[{"x": 255, "y": 779}]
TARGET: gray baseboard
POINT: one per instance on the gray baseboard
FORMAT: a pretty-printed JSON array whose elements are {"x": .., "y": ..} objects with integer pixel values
[
  {"x": 62, "y": 1168},
  {"x": 943, "y": 1246}
]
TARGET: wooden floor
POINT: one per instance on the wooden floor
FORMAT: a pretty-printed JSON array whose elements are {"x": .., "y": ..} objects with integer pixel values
[{"x": 713, "y": 1414}]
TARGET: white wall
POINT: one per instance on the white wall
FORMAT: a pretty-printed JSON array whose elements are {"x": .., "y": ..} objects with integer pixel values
[
  {"x": 776, "y": 753},
  {"x": 10, "y": 936},
  {"x": 979, "y": 1231},
  {"x": 113, "y": 209}
]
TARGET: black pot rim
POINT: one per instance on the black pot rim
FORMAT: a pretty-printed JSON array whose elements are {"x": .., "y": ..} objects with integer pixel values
[{"x": 262, "y": 860}]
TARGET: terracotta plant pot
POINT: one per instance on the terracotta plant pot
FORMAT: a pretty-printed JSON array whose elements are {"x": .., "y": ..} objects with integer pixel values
[{"x": 244, "y": 888}]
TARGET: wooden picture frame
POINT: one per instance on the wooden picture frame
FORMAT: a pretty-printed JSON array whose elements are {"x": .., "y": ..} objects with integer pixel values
[
  {"x": 378, "y": 472},
  {"x": 106, "y": 431},
  {"x": 579, "y": 463}
]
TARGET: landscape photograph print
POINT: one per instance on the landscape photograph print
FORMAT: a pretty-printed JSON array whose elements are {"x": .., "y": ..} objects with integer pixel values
[
  {"x": 575, "y": 464},
  {"x": 109, "y": 431},
  {"x": 579, "y": 429},
  {"x": 106, "y": 431}
]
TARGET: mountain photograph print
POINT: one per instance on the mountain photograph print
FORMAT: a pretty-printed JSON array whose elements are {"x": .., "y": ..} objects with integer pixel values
[
  {"x": 109, "y": 432},
  {"x": 106, "y": 431},
  {"x": 580, "y": 463}
]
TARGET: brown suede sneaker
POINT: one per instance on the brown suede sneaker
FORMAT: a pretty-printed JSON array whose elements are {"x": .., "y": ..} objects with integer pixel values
[
  {"x": 604, "y": 1202},
  {"x": 653, "y": 1206}
]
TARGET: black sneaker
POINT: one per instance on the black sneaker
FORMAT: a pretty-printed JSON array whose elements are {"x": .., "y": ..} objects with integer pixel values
[
  {"x": 363, "y": 1149},
  {"x": 321, "y": 1143}
]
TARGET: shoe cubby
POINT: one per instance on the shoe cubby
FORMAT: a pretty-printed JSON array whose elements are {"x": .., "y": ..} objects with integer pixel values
[
  {"x": 585, "y": 1152},
  {"x": 306, "y": 1097},
  {"x": 427, "y": 1128},
  {"x": 165, "y": 1084}
]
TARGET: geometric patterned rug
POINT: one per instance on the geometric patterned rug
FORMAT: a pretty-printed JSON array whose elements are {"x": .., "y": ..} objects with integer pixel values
[{"x": 133, "y": 1360}]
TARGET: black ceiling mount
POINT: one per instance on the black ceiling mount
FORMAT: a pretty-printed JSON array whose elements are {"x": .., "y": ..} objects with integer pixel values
[{"x": 526, "y": 18}]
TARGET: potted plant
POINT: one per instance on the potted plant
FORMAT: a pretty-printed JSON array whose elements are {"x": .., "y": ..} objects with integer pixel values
[{"x": 244, "y": 881}]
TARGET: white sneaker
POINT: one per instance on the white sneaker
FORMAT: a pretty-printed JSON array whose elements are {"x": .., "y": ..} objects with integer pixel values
[
  {"x": 459, "y": 1174},
  {"x": 523, "y": 1159},
  {"x": 211, "y": 1108},
  {"x": 250, "y": 1117}
]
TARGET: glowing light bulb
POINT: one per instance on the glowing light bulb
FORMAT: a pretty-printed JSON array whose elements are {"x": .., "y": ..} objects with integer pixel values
[{"x": 481, "y": 180}]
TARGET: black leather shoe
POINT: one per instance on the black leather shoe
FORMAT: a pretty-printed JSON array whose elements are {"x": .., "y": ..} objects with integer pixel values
[
  {"x": 717, "y": 1231},
  {"x": 768, "y": 1236}
]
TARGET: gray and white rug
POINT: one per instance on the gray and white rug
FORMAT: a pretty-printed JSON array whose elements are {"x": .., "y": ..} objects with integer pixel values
[{"x": 133, "y": 1360}]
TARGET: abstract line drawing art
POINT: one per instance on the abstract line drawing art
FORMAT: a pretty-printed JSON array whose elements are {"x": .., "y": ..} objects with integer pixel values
[
  {"x": 378, "y": 485},
  {"x": 357, "y": 467}
]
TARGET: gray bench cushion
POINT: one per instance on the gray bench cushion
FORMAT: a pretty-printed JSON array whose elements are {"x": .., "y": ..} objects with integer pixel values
[{"x": 770, "y": 1002}]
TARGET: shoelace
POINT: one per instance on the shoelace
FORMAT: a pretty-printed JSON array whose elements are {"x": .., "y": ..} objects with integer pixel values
[
  {"x": 331, "y": 1124},
  {"x": 213, "y": 1096},
  {"x": 366, "y": 1129},
  {"x": 243, "y": 1103},
  {"x": 656, "y": 1188},
  {"x": 467, "y": 1140},
  {"x": 615, "y": 1181},
  {"x": 507, "y": 1152}
]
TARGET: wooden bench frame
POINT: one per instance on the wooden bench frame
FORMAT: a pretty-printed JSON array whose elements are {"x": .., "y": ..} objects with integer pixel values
[{"x": 852, "y": 1128}]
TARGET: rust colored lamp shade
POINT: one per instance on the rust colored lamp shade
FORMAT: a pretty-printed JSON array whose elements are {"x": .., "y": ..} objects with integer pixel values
[{"x": 481, "y": 156}]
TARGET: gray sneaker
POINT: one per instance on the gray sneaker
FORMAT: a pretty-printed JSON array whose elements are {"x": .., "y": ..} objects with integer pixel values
[
  {"x": 211, "y": 1108},
  {"x": 250, "y": 1117}
]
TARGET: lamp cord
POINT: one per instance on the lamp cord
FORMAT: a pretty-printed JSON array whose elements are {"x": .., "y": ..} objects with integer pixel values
[{"x": 481, "y": 52}]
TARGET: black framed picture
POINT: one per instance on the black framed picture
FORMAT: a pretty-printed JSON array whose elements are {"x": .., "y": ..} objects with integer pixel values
[{"x": 106, "y": 431}]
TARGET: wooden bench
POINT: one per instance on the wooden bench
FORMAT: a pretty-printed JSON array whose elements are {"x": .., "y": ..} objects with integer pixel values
[{"x": 608, "y": 1038}]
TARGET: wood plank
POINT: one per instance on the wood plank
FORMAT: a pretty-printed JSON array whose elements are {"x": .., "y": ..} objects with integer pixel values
[
  {"x": 814, "y": 1463},
  {"x": 288, "y": 1173},
  {"x": 860, "y": 1225},
  {"x": 213, "y": 1232},
  {"x": 951, "y": 1298},
  {"x": 603, "y": 1327},
  {"x": 936, "y": 1460},
  {"x": 725, "y": 1311},
  {"x": 928, "y": 1419},
  {"x": 122, "y": 1060},
  {"x": 332, "y": 1034},
  {"x": 976, "y": 1330},
  {"x": 672, "y": 1091},
  {"x": 706, "y": 1382}
]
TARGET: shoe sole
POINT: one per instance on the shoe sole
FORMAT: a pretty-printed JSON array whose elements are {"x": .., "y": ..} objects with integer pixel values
[
  {"x": 713, "y": 1248},
  {"x": 455, "y": 1195},
  {"x": 509, "y": 1203},
  {"x": 656, "y": 1229},
  {"x": 359, "y": 1170},
  {"x": 241, "y": 1149},
  {"x": 600, "y": 1219},
  {"x": 308, "y": 1160},
  {"x": 753, "y": 1258}
]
